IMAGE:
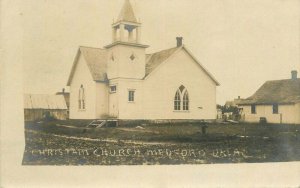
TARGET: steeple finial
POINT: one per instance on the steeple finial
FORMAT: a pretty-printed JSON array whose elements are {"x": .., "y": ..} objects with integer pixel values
[{"x": 127, "y": 13}]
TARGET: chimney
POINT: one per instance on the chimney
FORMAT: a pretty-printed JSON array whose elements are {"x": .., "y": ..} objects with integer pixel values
[
  {"x": 294, "y": 75},
  {"x": 63, "y": 90},
  {"x": 239, "y": 97},
  {"x": 179, "y": 41}
]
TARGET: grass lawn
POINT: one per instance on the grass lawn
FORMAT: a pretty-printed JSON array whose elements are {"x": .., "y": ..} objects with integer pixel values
[{"x": 71, "y": 143}]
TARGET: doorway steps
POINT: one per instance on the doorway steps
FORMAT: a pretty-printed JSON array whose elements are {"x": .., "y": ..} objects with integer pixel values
[{"x": 99, "y": 123}]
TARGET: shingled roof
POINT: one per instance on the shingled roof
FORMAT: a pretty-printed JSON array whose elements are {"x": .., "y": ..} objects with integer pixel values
[
  {"x": 276, "y": 92},
  {"x": 155, "y": 59},
  {"x": 42, "y": 101},
  {"x": 96, "y": 62}
]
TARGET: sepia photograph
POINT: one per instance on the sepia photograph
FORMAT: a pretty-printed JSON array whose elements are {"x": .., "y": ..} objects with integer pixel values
[
  {"x": 156, "y": 83},
  {"x": 125, "y": 103}
]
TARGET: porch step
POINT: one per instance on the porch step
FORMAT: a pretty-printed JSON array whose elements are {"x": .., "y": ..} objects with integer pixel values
[
  {"x": 98, "y": 123},
  {"x": 101, "y": 124}
]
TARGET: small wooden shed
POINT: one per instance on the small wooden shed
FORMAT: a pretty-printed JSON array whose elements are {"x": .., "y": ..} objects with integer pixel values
[{"x": 37, "y": 106}]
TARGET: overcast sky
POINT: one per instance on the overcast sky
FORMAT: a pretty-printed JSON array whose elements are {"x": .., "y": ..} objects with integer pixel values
[{"x": 242, "y": 43}]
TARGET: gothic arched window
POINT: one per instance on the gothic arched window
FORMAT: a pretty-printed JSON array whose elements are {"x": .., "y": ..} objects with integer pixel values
[
  {"x": 81, "y": 98},
  {"x": 177, "y": 100},
  {"x": 186, "y": 101},
  {"x": 181, "y": 95}
]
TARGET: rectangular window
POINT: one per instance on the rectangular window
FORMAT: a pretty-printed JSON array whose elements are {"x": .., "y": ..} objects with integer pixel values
[
  {"x": 131, "y": 96},
  {"x": 113, "y": 89},
  {"x": 81, "y": 98},
  {"x": 275, "y": 108},
  {"x": 253, "y": 109}
]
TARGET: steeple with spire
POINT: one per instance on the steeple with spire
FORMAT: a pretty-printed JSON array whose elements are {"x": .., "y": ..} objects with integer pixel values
[
  {"x": 126, "y": 53},
  {"x": 127, "y": 14},
  {"x": 126, "y": 28}
]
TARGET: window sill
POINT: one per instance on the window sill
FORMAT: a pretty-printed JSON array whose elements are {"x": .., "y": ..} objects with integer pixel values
[
  {"x": 82, "y": 110},
  {"x": 181, "y": 111},
  {"x": 131, "y": 102}
]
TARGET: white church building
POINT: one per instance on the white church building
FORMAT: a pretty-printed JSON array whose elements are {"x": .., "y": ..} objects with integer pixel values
[{"x": 121, "y": 81}]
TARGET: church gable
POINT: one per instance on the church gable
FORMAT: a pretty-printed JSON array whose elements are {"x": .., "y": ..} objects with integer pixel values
[
  {"x": 179, "y": 88},
  {"x": 81, "y": 72},
  {"x": 95, "y": 59},
  {"x": 155, "y": 60}
]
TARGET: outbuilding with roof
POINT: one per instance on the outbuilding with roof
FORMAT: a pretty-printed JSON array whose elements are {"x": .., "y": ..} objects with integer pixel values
[
  {"x": 41, "y": 106},
  {"x": 276, "y": 101}
]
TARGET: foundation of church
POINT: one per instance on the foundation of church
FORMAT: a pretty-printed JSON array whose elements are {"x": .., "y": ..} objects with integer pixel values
[{"x": 163, "y": 121}]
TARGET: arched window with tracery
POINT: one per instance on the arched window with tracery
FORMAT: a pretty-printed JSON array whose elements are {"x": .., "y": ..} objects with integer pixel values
[
  {"x": 186, "y": 101},
  {"x": 181, "y": 97},
  {"x": 177, "y": 100},
  {"x": 81, "y": 98}
]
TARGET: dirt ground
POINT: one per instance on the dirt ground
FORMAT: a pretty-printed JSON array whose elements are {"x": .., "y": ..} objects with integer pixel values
[{"x": 71, "y": 143}]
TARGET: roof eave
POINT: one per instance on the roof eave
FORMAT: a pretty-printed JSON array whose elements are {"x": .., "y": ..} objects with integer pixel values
[
  {"x": 73, "y": 67},
  {"x": 150, "y": 73},
  {"x": 126, "y": 22},
  {"x": 126, "y": 44},
  {"x": 266, "y": 103}
]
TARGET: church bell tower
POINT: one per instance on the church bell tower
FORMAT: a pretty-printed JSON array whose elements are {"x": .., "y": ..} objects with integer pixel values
[{"x": 126, "y": 54}]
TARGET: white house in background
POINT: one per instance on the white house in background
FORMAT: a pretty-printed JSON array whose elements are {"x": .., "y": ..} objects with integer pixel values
[
  {"x": 121, "y": 81},
  {"x": 278, "y": 101}
]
